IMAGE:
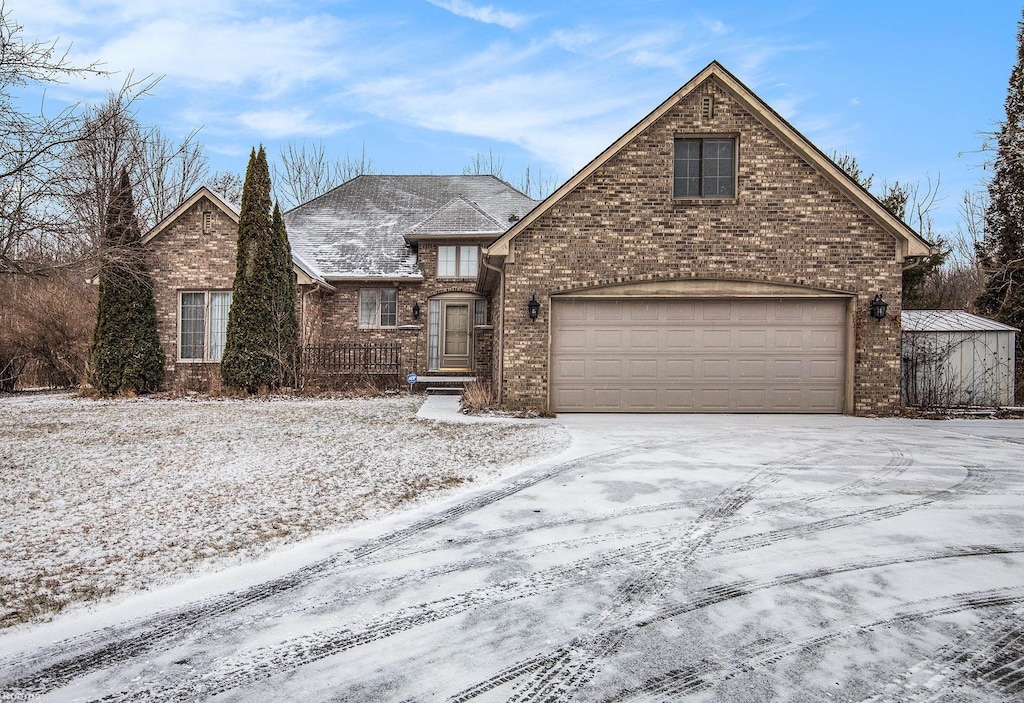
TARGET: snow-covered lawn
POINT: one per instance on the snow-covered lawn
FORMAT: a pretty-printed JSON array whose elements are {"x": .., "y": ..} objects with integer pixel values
[{"x": 98, "y": 497}]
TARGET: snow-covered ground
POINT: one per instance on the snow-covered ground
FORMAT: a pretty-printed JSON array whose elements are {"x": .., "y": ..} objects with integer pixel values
[
  {"x": 661, "y": 558},
  {"x": 101, "y": 497}
]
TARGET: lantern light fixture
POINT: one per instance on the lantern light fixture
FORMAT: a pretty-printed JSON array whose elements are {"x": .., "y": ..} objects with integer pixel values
[
  {"x": 878, "y": 307},
  {"x": 534, "y": 307},
  {"x": 415, "y": 311}
]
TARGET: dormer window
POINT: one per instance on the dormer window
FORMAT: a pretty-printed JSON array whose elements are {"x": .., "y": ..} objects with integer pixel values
[{"x": 705, "y": 167}]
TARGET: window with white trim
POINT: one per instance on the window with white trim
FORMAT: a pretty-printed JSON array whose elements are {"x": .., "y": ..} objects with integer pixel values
[
  {"x": 378, "y": 307},
  {"x": 202, "y": 324},
  {"x": 457, "y": 261},
  {"x": 705, "y": 167}
]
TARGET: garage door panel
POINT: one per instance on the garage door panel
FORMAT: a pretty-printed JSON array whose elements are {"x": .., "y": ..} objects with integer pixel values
[
  {"x": 716, "y": 340},
  {"x": 606, "y": 369},
  {"x": 752, "y": 370},
  {"x": 570, "y": 340},
  {"x": 680, "y": 340},
  {"x": 643, "y": 339},
  {"x": 751, "y": 339},
  {"x": 642, "y": 399},
  {"x": 680, "y": 310},
  {"x": 569, "y": 369},
  {"x": 682, "y": 355},
  {"x": 716, "y": 369},
  {"x": 608, "y": 399},
  {"x": 608, "y": 312},
  {"x": 644, "y": 370},
  {"x": 825, "y": 370},
  {"x": 679, "y": 370},
  {"x": 606, "y": 339}
]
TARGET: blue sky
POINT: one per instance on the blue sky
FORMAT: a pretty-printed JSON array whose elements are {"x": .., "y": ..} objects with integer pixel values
[{"x": 906, "y": 87}]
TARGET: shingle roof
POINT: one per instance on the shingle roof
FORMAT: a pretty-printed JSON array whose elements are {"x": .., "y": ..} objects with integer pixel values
[
  {"x": 459, "y": 216},
  {"x": 949, "y": 321},
  {"x": 358, "y": 229}
]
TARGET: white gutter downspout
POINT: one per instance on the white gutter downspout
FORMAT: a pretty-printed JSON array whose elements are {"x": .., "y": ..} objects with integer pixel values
[{"x": 501, "y": 325}]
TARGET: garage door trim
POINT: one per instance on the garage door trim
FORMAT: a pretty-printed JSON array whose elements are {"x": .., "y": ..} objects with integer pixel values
[{"x": 706, "y": 290}]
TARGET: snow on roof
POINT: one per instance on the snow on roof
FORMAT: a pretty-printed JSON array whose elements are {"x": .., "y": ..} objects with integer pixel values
[
  {"x": 358, "y": 229},
  {"x": 459, "y": 216},
  {"x": 949, "y": 321}
]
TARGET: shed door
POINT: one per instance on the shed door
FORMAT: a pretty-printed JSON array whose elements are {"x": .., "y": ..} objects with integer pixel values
[{"x": 698, "y": 355}]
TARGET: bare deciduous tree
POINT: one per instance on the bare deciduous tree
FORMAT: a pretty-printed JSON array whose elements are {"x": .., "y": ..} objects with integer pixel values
[
  {"x": 304, "y": 171},
  {"x": 228, "y": 185},
  {"x": 32, "y": 144},
  {"x": 162, "y": 172}
]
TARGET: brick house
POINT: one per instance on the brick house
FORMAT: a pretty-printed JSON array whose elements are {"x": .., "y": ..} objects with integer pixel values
[
  {"x": 711, "y": 260},
  {"x": 378, "y": 259}
]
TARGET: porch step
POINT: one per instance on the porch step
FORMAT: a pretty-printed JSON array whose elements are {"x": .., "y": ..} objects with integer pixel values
[
  {"x": 444, "y": 390},
  {"x": 446, "y": 379}
]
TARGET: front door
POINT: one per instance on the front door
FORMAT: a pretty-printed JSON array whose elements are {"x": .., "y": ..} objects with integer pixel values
[{"x": 455, "y": 336}]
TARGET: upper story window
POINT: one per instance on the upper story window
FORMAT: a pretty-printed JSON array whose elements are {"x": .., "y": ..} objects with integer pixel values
[
  {"x": 705, "y": 167},
  {"x": 378, "y": 307},
  {"x": 457, "y": 262}
]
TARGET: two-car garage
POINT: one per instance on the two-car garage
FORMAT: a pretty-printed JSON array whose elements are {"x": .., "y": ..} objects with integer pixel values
[{"x": 740, "y": 354}]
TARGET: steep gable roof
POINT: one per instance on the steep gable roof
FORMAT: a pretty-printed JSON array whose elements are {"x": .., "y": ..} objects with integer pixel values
[
  {"x": 308, "y": 273},
  {"x": 359, "y": 229},
  {"x": 199, "y": 194},
  {"x": 911, "y": 243}
]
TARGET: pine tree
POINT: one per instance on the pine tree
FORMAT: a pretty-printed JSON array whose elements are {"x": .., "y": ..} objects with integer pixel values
[
  {"x": 1003, "y": 245},
  {"x": 284, "y": 300},
  {"x": 125, "y": 355},
  {"x": 1002, "y": 250},
  {"x": 260, "y": 337}
]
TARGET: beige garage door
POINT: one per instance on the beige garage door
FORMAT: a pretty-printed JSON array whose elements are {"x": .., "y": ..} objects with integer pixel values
[{"x": 697, "y": 355}]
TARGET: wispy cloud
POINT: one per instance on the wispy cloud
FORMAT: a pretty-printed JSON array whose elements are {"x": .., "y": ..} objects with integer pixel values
[
  {"x": 486, "y": 14},
  {"x": 276, "y": 124}
]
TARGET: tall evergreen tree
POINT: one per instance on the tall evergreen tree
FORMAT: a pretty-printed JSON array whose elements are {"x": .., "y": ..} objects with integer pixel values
[
  {"x": 260, "y": 340},
  {"x": 125, "y": 355},
  {"x": 284, "y": 300},
  {"x": 1002, "y": 250}
]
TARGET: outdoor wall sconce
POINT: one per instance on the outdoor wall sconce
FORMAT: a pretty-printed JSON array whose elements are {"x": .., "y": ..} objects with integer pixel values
[
  {"x": 534, "y": 307},
  {"x": 878, "y": 307},
  {"x": 415, "y": 311}
]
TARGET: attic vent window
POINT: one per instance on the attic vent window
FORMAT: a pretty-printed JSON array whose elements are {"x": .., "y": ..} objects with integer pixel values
[
  {"x": 707, "y": 108},
  {"x": 207, "y": 222}
]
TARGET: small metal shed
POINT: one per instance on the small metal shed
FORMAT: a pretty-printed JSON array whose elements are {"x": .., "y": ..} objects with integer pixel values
[{"x": 954, "y": 359}]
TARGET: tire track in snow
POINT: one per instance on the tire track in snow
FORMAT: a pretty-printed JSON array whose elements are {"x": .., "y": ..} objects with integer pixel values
[
  {"x": 675, "y": 684},
  {"x": 558, "y": 677},
  {"x": 998, "y": 664},
  {"x": 558, "y": 659},
  {"x": 557, "y": 577},
  {"x": 55, "y": 667},
  {"x": 562, "y": 675},
  {"x": 165, "y": 629}
]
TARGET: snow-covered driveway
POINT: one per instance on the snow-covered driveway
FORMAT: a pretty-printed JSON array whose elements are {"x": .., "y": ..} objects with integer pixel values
[{"x": 710, "y": 558}]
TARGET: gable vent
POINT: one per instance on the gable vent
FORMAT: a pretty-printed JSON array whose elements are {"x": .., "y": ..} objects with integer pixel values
[
  {"x": 707, "y": 108},
  {"x": 207, "y": 222}
]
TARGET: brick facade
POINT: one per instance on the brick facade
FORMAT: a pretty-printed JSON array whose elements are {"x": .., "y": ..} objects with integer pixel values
[
  {"x": 185, "y": 258},
  {"x": 182, "y": 257},
  {"x": 338, "y": 313},
  {"x": 788, "y": 224}
]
